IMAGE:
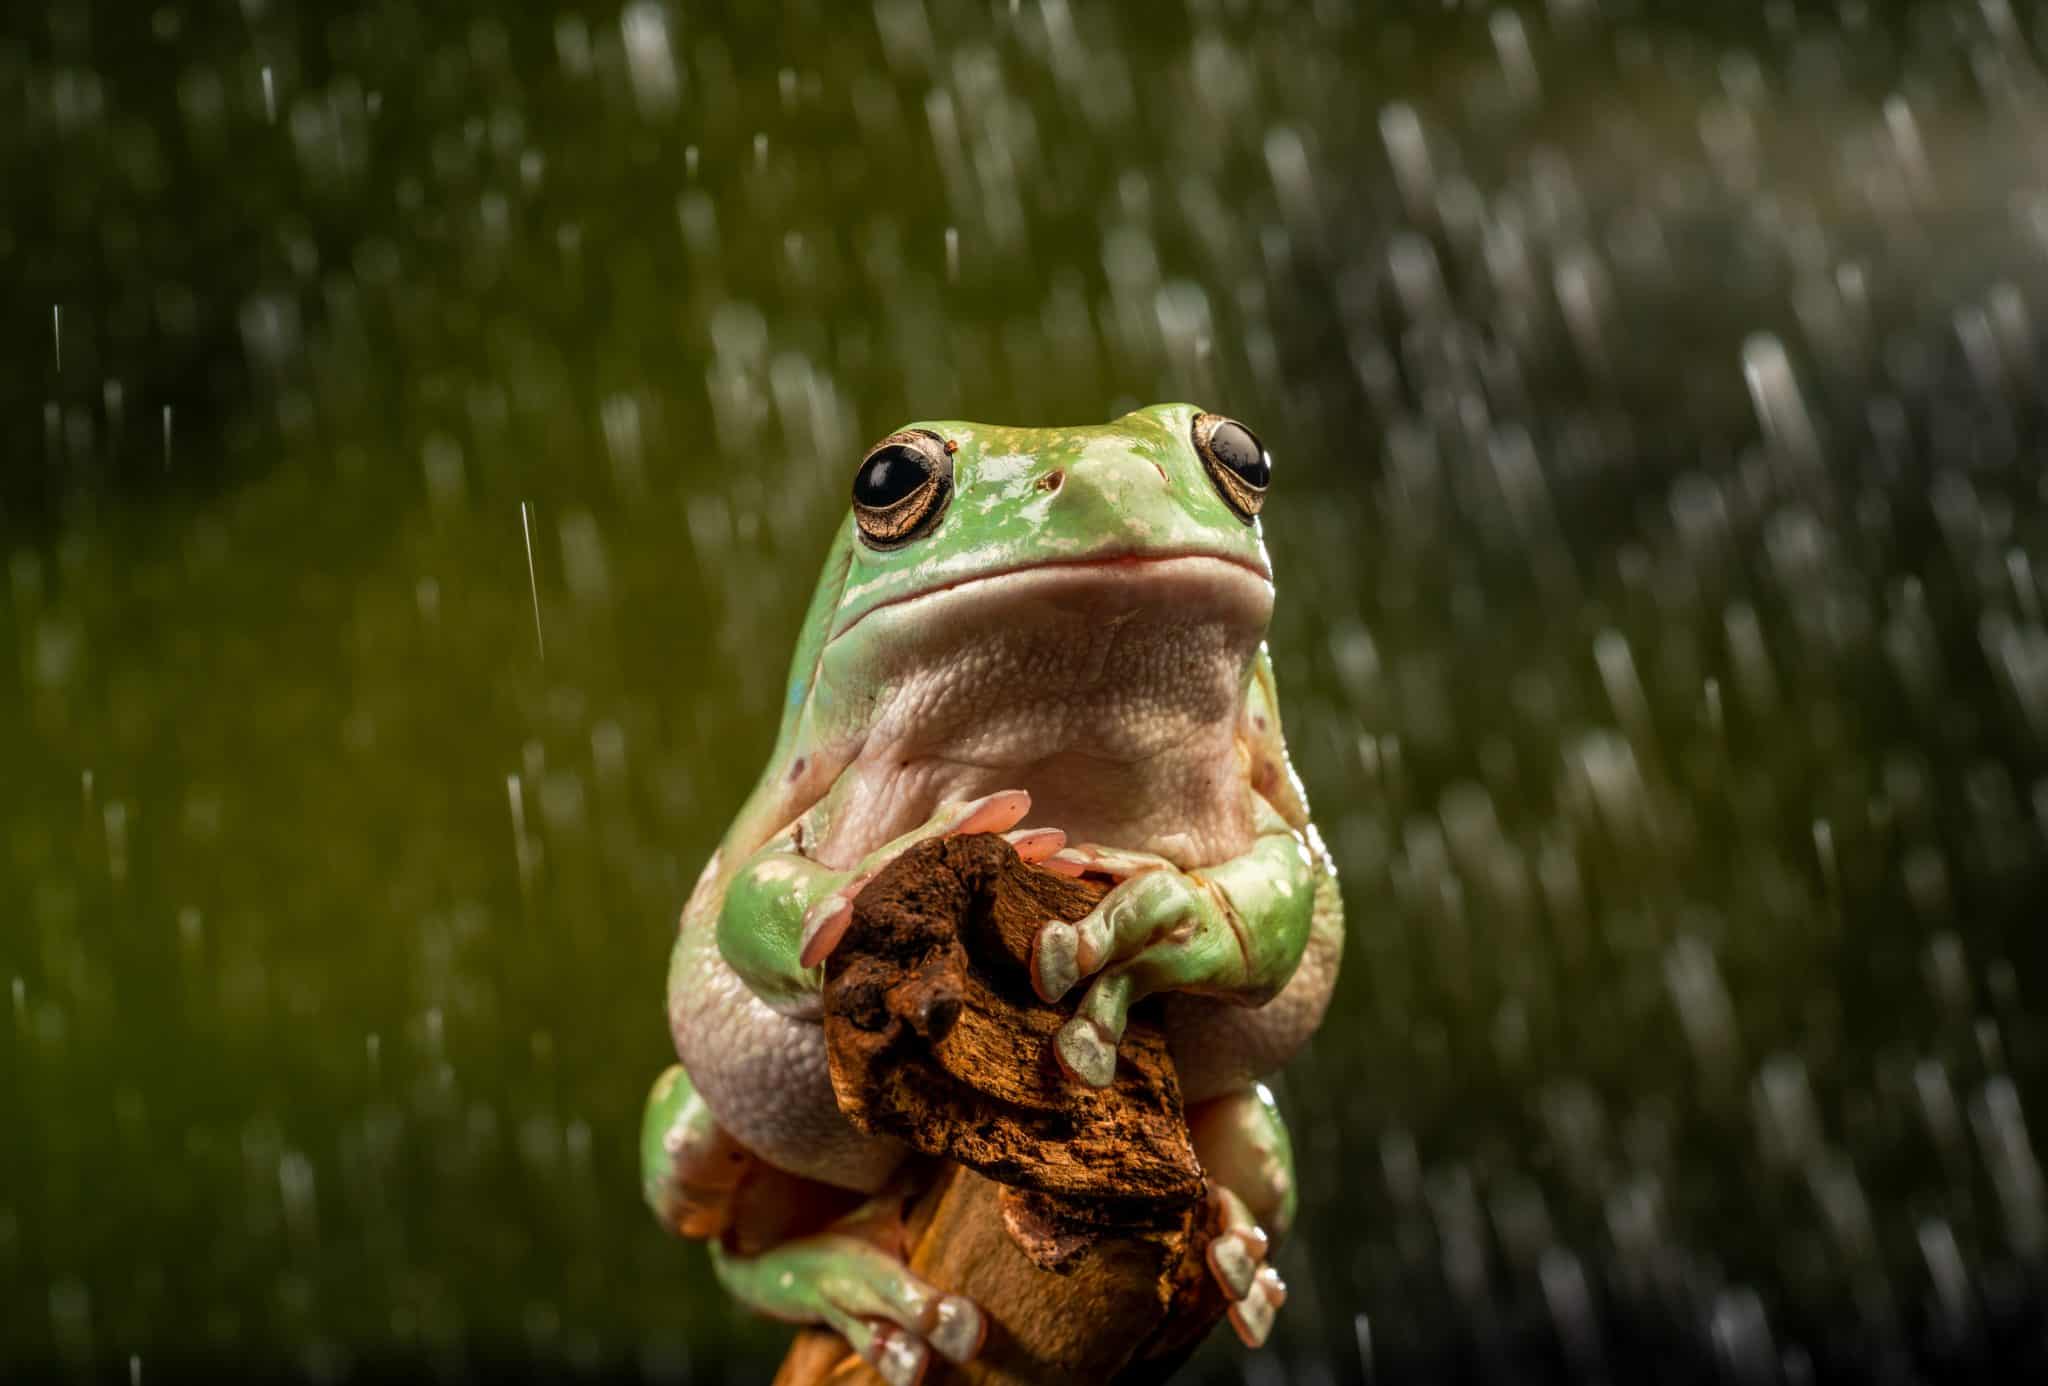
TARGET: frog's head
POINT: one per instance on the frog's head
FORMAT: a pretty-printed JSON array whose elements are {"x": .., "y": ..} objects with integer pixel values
[
  {"x": 943, "y": 505},
  {"x": 960, "y": 531}
]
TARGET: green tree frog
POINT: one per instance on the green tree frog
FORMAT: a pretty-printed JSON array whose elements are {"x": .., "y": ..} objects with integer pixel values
[{"x": 1059, "y": 625}]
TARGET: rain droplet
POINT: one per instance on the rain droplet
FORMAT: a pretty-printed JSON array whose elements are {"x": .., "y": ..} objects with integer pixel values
[
  {"x": 650, "y": 60},
  {"x": 1517, "y": 63},
  {"x": 1408, "y": 150},
  {"x": 1780, "y": 408},
  {"x": 1704, "y": 1010},
  {"x": 1906, "y": 141},
  {"x": 522, "y": 847}
]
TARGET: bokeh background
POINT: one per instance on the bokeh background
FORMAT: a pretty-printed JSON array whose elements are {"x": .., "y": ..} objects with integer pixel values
[{"x": 1656, "y": 393}]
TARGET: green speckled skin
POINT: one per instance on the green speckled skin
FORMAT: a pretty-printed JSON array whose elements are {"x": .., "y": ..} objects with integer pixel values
[
  {"x": 1079, "y": 630},
  {"x": 1001, "y": 518}
]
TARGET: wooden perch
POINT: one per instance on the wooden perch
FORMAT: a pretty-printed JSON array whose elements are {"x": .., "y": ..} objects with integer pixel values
[{"x": 1074, "y": 1217}]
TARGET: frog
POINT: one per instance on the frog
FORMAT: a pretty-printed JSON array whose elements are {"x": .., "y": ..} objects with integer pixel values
[{"x": 1058, "y": 635}]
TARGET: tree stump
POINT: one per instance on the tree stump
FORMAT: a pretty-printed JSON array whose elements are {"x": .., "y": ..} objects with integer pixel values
[{"x": 1075, "y": 1218}]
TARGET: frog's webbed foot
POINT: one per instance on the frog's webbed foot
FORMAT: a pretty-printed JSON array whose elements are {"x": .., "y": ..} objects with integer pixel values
[
  {"x": 1244, "y": 1147},
  {"x": 825, "y": 921},
  {"x": 893, "y": 1319}
]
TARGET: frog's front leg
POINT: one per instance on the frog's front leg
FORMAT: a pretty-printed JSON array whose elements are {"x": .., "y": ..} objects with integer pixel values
[
  {"x": 784, "y": 912},
  {"x": 1234, "y": 931},
  {"x": 1244, "y": 1149}
]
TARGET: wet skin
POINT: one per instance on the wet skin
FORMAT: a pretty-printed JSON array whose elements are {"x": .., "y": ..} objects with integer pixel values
[{"x": 1057, "y": 634}]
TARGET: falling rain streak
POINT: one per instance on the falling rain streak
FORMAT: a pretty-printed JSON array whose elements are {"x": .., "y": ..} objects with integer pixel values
[{"x": 532, "y": 581}]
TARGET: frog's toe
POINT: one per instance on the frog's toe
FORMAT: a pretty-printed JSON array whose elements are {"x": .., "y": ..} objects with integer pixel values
[
  {"x": 1234, "y": 1259},
  {"x": 1253, "y": 1315},
  {"x": 993, "y": 813},
  {"x": 1088, "y": 1055},
  {"x": 901, "y": 1353},
  {"x": 1093, "y": 859},
  {"x": 896, "y": 1321},
  {"x": 1033, "y": 845},
  {"x": 1055, "y": 960},
  {"x": 958, "y": 1329},
  {"x": 1237, "y": 1258},
  {"x": 824, "y": 925},
  {"x": 1274, "y": 1287},
  {"x": 900, "y": 1358}
]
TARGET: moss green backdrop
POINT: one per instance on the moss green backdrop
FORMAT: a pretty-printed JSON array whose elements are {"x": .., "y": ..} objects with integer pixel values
[{"x": 1656, "y": 403}]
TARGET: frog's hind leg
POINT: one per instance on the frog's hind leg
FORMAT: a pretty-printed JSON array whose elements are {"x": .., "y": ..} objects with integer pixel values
[
  {"x": 796, "y": 1249},
  {"x": 1243, "y": 1146},
  {"x": 701, "y": 1183},
  {"x": 689, "y": 1166},
  {"x": 895, "y": 1321}
]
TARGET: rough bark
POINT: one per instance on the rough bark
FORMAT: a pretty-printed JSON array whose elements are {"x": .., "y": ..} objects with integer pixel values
[{"x": 1074, "y": 1217}]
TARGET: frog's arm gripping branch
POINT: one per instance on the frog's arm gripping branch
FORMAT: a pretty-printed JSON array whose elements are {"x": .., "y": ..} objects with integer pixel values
[
  {"x": 1235, "y": 931},
  {"x": 1267, "y": 898},
  {"x": 784, "y": 912}
]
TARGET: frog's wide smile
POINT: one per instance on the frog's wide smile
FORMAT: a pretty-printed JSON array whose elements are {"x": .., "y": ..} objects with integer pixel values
[{"x": 1188, "y": 563}]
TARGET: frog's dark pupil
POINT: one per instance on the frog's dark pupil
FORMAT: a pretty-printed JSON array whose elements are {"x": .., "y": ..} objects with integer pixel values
[
  {"x": 888, "y": 476},
  {"x": 1234, "y": 446}
]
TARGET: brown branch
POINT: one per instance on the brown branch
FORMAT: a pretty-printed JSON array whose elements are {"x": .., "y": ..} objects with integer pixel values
[{"x": 1074, "y": 1217}]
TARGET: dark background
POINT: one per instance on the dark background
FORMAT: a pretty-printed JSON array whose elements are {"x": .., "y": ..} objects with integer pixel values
[{"x": 1656, "y": 395}]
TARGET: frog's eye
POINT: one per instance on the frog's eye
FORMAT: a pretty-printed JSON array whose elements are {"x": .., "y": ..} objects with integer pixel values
[
  {"x": 1237, "y": 462},
  {"x": 902, "y": 487}
]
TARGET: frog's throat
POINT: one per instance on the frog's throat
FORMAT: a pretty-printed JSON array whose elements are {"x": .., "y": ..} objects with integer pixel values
[
  {"x": 1069, "y": 649},
  {"x": 1110, "y": 565}
]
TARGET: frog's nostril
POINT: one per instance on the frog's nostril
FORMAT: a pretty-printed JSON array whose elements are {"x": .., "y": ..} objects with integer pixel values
[{"x": 1051, "y": 482}]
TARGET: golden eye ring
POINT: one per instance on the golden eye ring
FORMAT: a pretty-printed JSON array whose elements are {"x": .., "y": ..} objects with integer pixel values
[
  {"x": 1237, "y": 462},
  {"x": 902, "y": 486}
]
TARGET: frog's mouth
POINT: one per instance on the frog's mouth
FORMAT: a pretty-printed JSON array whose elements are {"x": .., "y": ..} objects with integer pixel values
[
  {"x": 1240, "y": 588},
  {"x": 1115, "y": 658}
]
